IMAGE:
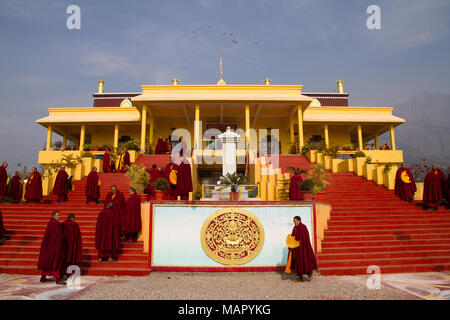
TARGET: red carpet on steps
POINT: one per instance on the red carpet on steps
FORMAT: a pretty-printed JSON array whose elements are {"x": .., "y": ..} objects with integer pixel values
[
  {"x": 25, "y": 225},
  {"x": 369, "y": 225}
]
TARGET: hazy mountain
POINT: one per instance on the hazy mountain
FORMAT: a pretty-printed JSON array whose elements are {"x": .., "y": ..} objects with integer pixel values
[{"x": 426, "y": 133}]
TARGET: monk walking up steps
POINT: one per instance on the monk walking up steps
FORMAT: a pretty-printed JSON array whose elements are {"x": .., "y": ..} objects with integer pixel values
[
  {"x": 74, "y": 246},
  {"x": 15, "y": 190},
  {"x": 33, "y": 188},
  {"x": 107, "y": 237},
  {"x": 62, "y": 185},
  {"x": 132, "y": 218},
  {"x": 52, "y": 256},
  {"x": 3, "y": 180},
  {"x": 405, "y": 187},
  {"x": 433, "y": 188},
  {"x": 92, "y": 187}
]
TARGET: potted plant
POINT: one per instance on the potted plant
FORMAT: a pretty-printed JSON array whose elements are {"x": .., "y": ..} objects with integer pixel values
[
  {"x": 233, "y": 180},
  {"x": 139, "y": 179},
  {"x": 319, "y": 177},
  {"x": 160, "y": 185},
  {"x": 307, "y": 187},
  {"x": 133, "y": 145}
]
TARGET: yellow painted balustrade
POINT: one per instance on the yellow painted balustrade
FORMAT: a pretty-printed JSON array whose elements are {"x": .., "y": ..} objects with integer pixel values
[
  {"x": 322, "y": 217},
  {"x": 418, "y": 196}
]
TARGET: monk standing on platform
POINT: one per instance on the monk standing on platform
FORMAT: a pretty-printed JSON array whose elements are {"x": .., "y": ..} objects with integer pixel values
[
  {"x": 62, "y": 185},
  {"x": 170, "y": 174},
  {"x": 92, "y": 186},
  {"x": 74, "y": 246},
  {"x": 132, "y": 218},
  {"x": 107, "y": 237},
  {"x": 33, "y": 188},
  {"x": 432, "y": 189},
  {"x": 3, "y": 180},
  {"x": 405, "y": 187},
  {"x": 118, "y": 200},
  {"x": 161, "y": 146},
  {"x": 124, "y": 161},
  {"x": 184, "y": 180},
  {"x": 303, "y": 257},
  {"x": 107, "y": 161},
  {"x": 15, "y": 189},
  {"x": 52, "y": 256},
  {"x": 295, "y": 193}
]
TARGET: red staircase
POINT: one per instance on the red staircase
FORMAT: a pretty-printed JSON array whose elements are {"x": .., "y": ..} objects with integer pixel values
[
  {"x": 288, "y": 160},
  {"x": 369, "y": 225},
  {"x": 161, "y": 160},
  {"x": 25, "y": 225}
]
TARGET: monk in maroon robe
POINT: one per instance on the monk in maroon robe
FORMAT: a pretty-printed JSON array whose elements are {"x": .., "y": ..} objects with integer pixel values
[
  {"x": 295, "y": 193},
  {"x": 107, "y": 161},
  {"x": 52, "y": 256},
  {"x": 432, "y": 189},
  {"x": 33, "y": 188},
  {"x": 171, "y": 191},
  {"x": 15, "y": 189},
  {"x": 303, "y": 257},
  {"x": 123, "y": 162},
  {"x": 405, "y": 190},
  {"x": 107, "y": 235},
  {"x": 92, "y": 186},
  {"x": 184, "y": 179},
  {"x": 161, "y": 146},
  {"x": 62, "y": 185},
  {"x": 3, "y": 180},
  {"x": 2, "y": 229},
  {"x": 118, "y": 200},
  {"x": 132, "y": 218},
  {"x": 74, "y": 246}
]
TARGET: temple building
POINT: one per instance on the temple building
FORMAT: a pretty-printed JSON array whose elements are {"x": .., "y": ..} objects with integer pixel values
[{"x": 301, "y": 118}]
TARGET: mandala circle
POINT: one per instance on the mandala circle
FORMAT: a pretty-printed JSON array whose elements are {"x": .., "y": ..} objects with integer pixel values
[{"x": 232, "y": 236}]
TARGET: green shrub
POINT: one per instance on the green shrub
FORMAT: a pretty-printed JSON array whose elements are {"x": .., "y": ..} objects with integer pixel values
[
  {"x": 306, "y": 185},
  {"x": 161, "y": 184},
  {"x": 139, "y": 177},
  {"x": 133, "y": 145},
  {"x": 359, "y": 154}
]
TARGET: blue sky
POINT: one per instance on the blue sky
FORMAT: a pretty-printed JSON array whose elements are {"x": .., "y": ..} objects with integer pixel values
[{"x": 129, "y": 43}]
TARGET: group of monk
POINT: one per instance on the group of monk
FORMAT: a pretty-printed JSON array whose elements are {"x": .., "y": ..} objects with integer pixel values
[
  {"x": 436, "y": 187},
  {"x": 61, "y": 247},
  {"x": 118, "y": 218},
  {"x": 119, "y": 166},
  {"x": 33, "y": 187},
  {"x": 178, "y": 176}
]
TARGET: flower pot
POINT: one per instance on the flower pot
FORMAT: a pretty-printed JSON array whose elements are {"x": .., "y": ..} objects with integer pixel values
[
  {"x": 234, "y": 196},
  {"x": 307, "y": 195},
  {"x": 320, "y": 196},
  {"x": 159, "y": 194},
  {"x": 143, "y": 197}
]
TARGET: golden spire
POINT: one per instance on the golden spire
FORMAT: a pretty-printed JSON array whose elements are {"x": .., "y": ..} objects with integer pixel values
[
  {"x": 340, "y": 85},
  {"x": 101, "y": 86},
  {"x": 221, "y": 81},
  {"x": 267, "y": 82},
  {"x": 175, "y": 81}
]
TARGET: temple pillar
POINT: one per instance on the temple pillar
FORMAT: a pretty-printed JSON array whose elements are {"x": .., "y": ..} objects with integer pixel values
[
  {"x": 377, "y": 142},
  {"x": 116, "y": 136},
  {"x": 64, "y": 145},
  {"x": 300, "y": 126},
  {"x": 291, "y": 129},
  {"x": 327, "y": 139},
  {"x": 82, "y": 137},
  {"x": 360, "y": 138},
  {"x": 49, "y": 137},
  {"x": 143, "y": 126},
  {"x": 247, "y": 125},
  {"x": 393, "y": 147},
  {"x": 197, "y": 127},
  {"x": 152, "y": 128}
]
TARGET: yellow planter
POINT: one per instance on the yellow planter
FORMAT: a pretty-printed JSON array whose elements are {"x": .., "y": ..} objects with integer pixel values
[
  {"x": 320, "y": 158},
  {"x": 370, "y": 170},
  {"x": 418, "y": 196},
  {"x": 339, "y": 165},
  {"x": 328, "y": 162},
  {"x": 360, "y": 162},
  {"x": 379, "y": 176}
]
